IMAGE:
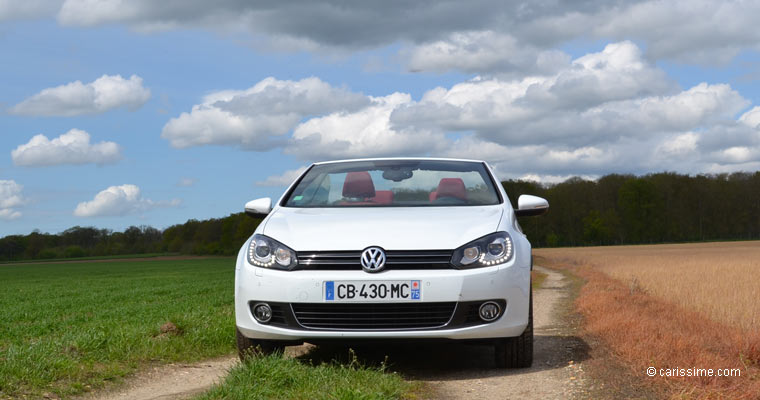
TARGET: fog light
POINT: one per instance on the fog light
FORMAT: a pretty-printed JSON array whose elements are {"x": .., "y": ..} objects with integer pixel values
[
  {"x": 489, "y": 311},
  {"x": 263, "y": 313}
]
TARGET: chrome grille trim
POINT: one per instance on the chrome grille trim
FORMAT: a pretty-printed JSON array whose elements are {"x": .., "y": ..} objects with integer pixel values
[{"x": 395, "y": 259}]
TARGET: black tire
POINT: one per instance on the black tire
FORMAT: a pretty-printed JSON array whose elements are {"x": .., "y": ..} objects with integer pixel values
[
  {"x": 249, "y": 348},
  {"x": 517, "y": 352}
]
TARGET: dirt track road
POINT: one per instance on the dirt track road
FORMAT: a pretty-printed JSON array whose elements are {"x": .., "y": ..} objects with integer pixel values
[
  {"x": 557, "y": 371},
  {"x": 170, "y": 382},
  {"x": 450, "y": 371}
]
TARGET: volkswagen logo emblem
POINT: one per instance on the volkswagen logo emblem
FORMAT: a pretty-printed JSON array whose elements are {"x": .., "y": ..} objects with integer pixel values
[{"x": 373, "y": 259}]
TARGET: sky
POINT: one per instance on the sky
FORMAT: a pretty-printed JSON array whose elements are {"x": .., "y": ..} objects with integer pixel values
[{"x": 116, "y": 113}]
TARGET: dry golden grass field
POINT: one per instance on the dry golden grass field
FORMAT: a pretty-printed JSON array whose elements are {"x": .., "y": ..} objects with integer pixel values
[
  {"x": 673, "y": 306},
  {"x": 719, "y": 280}
]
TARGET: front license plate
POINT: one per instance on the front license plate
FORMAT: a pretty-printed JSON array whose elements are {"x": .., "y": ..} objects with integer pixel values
[{"x": 369, "y": 291}]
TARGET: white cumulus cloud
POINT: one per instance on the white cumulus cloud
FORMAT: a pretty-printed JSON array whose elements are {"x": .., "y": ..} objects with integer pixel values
[
  {"x": 252, "y": 118},
  {"x": 284, "y": 179},
  {"x": 72, "y": 148},
  {"x": 483, "y": 52},
  {"x": 366, "y": 132},
  {"x": 76, "y": 98},
  {"x": 187, "y": 182},
  {"x": 434, "y": 33},
  {"x": 751, "y": 118},
  {"x": 118, "y": 201},
  {"x": 599, "y": 97},
  {"x": 696, "y": 31},
  {"x": 679, "y": 145},
  {"x": 608, "y": 111},
  {"x": 551, "y": 179},
  {"x": 10, "y": 199},
  {"x": 14, "y": 9}
]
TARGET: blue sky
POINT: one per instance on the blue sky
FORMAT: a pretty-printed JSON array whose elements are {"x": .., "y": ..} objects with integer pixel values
[{"x": 154, "y": 115}]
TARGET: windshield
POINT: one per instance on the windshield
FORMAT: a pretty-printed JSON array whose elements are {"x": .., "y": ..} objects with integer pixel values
[{"x": 394, "y": 183}]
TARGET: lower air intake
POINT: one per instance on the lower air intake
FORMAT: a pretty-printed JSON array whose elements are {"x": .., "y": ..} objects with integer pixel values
[{"x": 397, "y": 316}]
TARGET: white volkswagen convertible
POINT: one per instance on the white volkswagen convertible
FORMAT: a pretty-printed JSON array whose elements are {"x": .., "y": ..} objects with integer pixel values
[{"x": 389, "y": 249}]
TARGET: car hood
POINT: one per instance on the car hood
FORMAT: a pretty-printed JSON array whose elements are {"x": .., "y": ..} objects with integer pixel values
[{"x": 392, "y": 228}]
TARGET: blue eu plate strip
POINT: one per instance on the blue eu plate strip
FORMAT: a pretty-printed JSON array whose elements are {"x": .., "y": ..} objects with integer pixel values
[{"x": 416, "y": 287}]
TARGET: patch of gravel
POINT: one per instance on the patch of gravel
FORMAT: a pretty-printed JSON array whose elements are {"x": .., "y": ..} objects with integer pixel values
[
  {"x": 557, "y": 371},
  {"x": 176, "y": 381},
  {"x": 169, "y": 382}
]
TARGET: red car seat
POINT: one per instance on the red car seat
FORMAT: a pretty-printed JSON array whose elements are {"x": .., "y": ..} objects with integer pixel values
[
  {"x": 383, "y": 197},
  {"x": 358, "y": 185},
  {"x": 450, "y": 187}
]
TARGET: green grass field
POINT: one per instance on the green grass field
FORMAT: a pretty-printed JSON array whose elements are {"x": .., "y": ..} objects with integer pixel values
[
  {"x": 118, "y": 257},
  {"x": 273, "y": 377},
  {"x": 70, "y": 328},
  {"x": 65, "y": 328}
]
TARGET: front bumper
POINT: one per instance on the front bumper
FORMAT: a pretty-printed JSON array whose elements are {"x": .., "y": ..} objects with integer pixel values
[{"x": 508, "y": 283}]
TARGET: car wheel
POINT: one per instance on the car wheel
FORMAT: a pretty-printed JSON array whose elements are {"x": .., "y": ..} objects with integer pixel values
[
  {"x": 517, "y": 352},
  {"x": 249, "y": 348}
]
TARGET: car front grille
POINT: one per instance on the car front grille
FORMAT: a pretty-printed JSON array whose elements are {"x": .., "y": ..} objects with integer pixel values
[
  {"x": 394, "y": 259},
  {"x": 278, "y": 314},
  {"x": 380, "y": 316}
]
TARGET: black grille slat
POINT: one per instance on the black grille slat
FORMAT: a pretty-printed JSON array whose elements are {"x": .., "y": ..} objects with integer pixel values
[
  {"x": 366, "y": 321},
  {"x": 278, "y": 315},
  {"x": 376, "y": 326},
  {"x": 373, "y": 317},
  {"x": 394, "y": 259},
  {"x": 332, "y": 255},
  {"x": 396, "y": 311},
  {"x": 472, "y": 313},
  {"x": 368, "y": 316},
  {"x": 329, "y": 254},
  {"x": 327, "y": 262},
  {"x": 314, "y": 314}
]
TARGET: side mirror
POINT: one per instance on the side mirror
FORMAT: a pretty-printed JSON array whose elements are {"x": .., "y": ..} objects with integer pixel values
[
  {"x": 258, "y": 207},
  {"x": 528, "y": 206}
]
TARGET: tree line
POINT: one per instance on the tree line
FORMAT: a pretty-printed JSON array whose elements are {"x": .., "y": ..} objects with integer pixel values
[
  {"x": 655, "y": 208},
  {"x": 615, "y": 209},
  {"x": 219, "y": 236}
]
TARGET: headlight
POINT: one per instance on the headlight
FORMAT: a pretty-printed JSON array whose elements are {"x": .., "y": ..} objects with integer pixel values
[
  {"x": 493, "y": 249},
  {"x": 268, "y": 253}
]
